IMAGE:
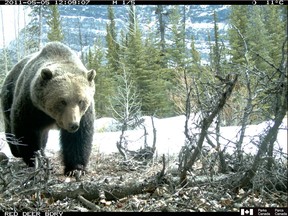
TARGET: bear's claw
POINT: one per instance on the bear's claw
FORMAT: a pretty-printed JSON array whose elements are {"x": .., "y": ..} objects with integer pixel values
[{"x": 76, "y": 173}]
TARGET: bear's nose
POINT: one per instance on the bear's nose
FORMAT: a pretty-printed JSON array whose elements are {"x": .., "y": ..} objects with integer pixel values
[{"x": 73, "y": 126}]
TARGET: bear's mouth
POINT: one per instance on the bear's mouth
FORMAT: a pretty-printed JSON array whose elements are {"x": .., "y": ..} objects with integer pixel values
[{"x": 71, "y": 128}]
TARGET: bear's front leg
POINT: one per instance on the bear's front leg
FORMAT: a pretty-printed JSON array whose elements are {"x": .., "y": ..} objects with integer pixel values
[
  {"x": 76, "y": 147},
  {"x": 30, "y": 128}
]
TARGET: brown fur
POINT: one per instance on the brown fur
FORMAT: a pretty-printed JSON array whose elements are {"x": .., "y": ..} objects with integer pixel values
[
  {"x": 47, "y": 88},
  {"x": 63, "y": 98}
]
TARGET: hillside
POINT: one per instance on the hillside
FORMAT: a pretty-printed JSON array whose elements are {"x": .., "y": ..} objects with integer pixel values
[{"x": 89, "y": 23}]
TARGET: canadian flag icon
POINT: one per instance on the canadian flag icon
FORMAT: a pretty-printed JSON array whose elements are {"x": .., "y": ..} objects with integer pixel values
[{"x": 246, "y": 211}]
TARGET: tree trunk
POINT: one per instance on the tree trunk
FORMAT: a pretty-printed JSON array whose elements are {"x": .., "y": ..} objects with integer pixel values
[
  {"x": 205, "y": 124},
  {"x": 4, "y": 45},
  {"x": 159, "y": 11},
  {"x": 268, "y": 138},
  {"x": 40, "y": 28}
]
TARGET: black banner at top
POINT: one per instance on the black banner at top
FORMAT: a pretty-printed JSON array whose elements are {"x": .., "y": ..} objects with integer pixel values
[{"x": 142, "y": 2}]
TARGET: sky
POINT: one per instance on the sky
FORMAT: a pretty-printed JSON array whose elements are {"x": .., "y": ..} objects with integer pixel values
[{"x": 10, "y": 20}]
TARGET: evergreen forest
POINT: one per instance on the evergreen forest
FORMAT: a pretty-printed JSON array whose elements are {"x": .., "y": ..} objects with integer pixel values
[{"x": 163, "y": 73}]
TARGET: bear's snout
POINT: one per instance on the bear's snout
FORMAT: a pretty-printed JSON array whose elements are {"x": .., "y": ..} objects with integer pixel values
[
  {"x": 73, "y": 127},
  {"x": 71, "y": 118}
]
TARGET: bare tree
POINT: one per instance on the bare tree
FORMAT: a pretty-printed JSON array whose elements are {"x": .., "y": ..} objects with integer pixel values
[
  {"x": 3, "y": 41},
  {"x": 125, "y": 107},
  {"x": 194, "y": 142},
  {"x": 276, "y": 91},
  {"x": 160, "y": 14},
  {"x": 80, "y": 37},
  {"x": 25, "y": 31},
  {"x": 277, "y": 81},
  {"x": 40, "y": 27},
  {"x": 248, "y": 107},
  {"x": 16, "y": 30}
]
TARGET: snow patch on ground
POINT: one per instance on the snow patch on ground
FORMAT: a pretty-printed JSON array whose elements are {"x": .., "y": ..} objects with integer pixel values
[{"x": 169, "y": 136}]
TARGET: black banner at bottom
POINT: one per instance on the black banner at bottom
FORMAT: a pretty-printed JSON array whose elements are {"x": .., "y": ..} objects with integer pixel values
[
  {"x": 32, "y": 213},
  {"x": 259, "y": 211}
]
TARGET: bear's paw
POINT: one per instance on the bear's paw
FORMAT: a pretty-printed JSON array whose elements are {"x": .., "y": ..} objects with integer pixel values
[{"x": 78, "y": 171}]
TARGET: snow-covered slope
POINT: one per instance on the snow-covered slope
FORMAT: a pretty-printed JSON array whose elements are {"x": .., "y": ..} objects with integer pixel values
[{"x": 170, "y": 136}]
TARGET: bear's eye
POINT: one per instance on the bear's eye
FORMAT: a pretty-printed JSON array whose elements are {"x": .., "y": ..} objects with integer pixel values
[
  {"x": 81, "y": 104},
  {"x": 63, "y": 102}
]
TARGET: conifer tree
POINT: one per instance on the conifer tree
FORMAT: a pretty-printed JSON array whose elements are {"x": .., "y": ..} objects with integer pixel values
[
  {"x": 216, "y": 50},
  {"x": 143, "y": 61},
  {"x": 253, "y": 48},
  {"x": 162, "y": 25},
  {"x": 34, "y": 32},
  {"x": 276, "y": 25},
  {"x": 112, "y": 44},
  {"x": 54, "y": 22},
  {"x": 257, "y": 36},
  {"x": 196, "y": 58},
  {"x": 177, "y": 50},
  {"x": 157, "y": 96},
  {"x": 103, "y": 81},
  {"x": 134, "y": 57},
  {"x": 238, "y": 20}
]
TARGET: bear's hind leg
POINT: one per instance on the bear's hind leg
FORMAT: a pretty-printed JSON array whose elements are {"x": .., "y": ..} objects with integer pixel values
[{"x": 76, "y": 147}]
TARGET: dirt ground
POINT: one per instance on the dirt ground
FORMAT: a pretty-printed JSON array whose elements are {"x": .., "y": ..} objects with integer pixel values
[{"x": 121, "y": 186}]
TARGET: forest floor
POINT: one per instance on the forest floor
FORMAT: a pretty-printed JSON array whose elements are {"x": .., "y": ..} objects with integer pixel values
[{"x": 114, "y": 185}]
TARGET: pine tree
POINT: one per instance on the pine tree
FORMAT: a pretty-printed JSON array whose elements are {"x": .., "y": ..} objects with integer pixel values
[
  {"x": 157, "y": 81},
  {"x": 267, "y": 50},
  {"x": 276, "y": 25},
  {"x": 177, "y": 51},
  {"x": 142, "y": 61},
  {"x": 54, "y": 22},
  {"x": 113, "y": 46},
  {"x": 262, "y": 29},
  {"x": 216, "y": 48},
  {"x": 162, "y": 25},
  {"x": 239, "y": 24},
  {"x": 104, "y": 84},
  {"x": 257, "y": 36},
  {"x": 134, "y": 56},
  {"x": 34, "y": 32},
  {"x": 196, "y": 58}
]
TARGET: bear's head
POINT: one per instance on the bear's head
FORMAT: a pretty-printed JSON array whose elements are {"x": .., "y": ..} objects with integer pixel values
[{"x": 64, "y": 93}]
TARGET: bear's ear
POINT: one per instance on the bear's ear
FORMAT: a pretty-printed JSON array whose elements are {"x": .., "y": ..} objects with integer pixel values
[
  {"x": 91, "y": 75},
  {"x": 46, "y": 74}
]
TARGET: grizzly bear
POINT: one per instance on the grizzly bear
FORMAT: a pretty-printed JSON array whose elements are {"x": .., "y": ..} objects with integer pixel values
[{"x": 48, "y": 88}]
